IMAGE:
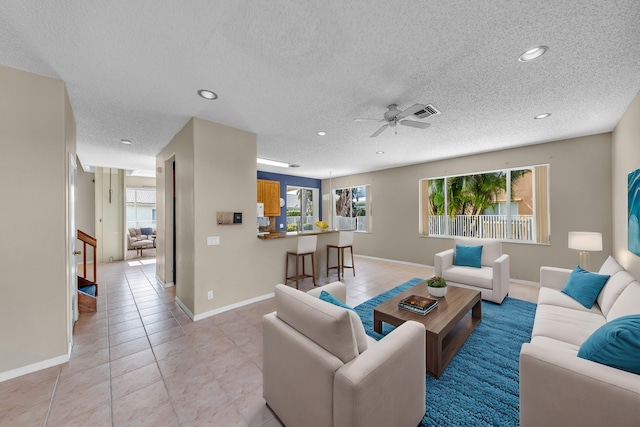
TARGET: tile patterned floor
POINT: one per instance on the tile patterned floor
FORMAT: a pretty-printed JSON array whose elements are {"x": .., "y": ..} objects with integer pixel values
[{"x": 140, "y": 361}]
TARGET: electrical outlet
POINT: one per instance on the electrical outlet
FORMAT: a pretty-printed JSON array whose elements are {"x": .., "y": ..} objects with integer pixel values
[
  {"x": 213, "y": 240},
  {"x": 281, "y": 225},
  {"x": 210, "y": 295}
]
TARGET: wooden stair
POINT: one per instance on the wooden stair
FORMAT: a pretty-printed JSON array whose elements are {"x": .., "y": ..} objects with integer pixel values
[{"x": 87, "y": 303}]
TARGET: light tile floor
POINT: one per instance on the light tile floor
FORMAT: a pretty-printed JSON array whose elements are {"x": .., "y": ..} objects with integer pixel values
[{"x": 140, "y": 361}]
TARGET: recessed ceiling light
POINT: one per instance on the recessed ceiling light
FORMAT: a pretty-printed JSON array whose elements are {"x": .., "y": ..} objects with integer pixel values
[
  {"x": 207, "y": 94},
  {"x": 322, "y": 133},
  {"x": 125, "y": 141},
  {"x": 542, "y": 116},
  {"x": 532, "y": 54},
  {"x": 379, "y": 152},
  {"x": 272, "y": 163}
]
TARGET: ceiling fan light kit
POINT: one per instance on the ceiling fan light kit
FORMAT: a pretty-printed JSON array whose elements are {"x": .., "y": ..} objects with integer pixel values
[{"x": 393, "y": 116}]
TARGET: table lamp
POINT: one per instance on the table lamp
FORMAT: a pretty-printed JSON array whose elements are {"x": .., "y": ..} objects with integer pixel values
[{"x": 585, "y": 241}]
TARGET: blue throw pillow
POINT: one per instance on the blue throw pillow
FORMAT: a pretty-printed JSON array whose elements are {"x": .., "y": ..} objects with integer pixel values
[
  {"x": 326, "y": 296},
  {"x": 147, "y": 231},
  {"x": 468, "y": 256},
  {"x": 584, "y": 286},
  {"x": 615, "y": 344}
]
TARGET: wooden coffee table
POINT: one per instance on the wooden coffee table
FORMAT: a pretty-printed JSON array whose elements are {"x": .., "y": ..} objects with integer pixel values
[{"x": 447, "y": 326}]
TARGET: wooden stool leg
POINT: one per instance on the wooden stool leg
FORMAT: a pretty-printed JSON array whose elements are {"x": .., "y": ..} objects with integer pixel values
[
  {"x": 327, "y": 261},
  {"x": 286, "y": 270},
  {"x": 313, "y": 268},
  {"x": 353, "y": 265},
  {"x": 341, "y": 263},
  {"x": 297, "y": 276}
]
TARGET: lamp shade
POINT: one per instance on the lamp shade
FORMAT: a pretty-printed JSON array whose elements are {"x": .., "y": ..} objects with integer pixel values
[{"x": 585, "y": 240}]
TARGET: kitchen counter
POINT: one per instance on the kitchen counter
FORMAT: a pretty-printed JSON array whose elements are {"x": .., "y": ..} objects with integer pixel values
[{"x": 280, "y": 235}]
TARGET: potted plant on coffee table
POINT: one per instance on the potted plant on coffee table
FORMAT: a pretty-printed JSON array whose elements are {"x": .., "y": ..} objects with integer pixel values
[{"x": 437, "y": 286}]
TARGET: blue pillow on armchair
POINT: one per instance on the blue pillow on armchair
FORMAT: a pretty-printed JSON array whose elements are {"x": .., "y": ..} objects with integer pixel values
[
  {"x": 147, "y": 231},
  {"x": 468, "y": 256}
]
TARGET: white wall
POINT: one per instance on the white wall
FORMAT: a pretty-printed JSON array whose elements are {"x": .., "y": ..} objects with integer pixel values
[
  {"x": 625, "y": 159},
  {"x": 110, "y": 214}
]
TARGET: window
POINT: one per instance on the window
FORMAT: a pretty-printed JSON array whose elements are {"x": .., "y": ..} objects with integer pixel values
[
  {"x": 141, "y": 208},
  {"x": 510, "y": 204},
  {"x": 302, "y": 208},
  {"x": 352, "y": 208}
]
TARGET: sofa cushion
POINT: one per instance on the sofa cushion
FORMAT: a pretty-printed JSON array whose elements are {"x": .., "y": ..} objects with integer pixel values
[
  {"x": 480, "y": 277},
  {"x": 610, "y": 266},
  {"x": 612, "y": 290},
  {"x": 615, "y": 344},
  {"x": 565, "y": 324},
  {"x": 627, "y": 303},
  {"x": 356, "y": 322},
  {"x": 468, "y": 256},
  {"x": 327, "y": 325},
  {"x": 132, "y": 232},
  {"x": 554, "y": 297},
  {"x": 584, "y": 286},
  {"x": 491, "y": 249},
  {"x": 554, "y": 344}
]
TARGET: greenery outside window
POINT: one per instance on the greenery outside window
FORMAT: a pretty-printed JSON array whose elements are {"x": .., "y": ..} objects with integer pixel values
[
  {"x": 302, "y": 208},
  {"x": 352, "y": 208},
  {"x": 509, "y": 204}
]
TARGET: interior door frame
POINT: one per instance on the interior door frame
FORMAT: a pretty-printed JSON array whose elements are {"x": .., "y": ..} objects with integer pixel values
[{"x": 72, "y": 198}]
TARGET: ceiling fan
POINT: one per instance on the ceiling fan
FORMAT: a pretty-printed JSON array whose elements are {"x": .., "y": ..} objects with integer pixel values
[{"x": 393, "y": 116}]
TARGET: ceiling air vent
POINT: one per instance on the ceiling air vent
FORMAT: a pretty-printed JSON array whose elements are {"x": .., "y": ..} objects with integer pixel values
[{"x": 427, "y": 111}]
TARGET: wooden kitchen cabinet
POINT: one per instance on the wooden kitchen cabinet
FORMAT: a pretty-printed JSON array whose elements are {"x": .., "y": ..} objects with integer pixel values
[{"x": 269, "y": 194}]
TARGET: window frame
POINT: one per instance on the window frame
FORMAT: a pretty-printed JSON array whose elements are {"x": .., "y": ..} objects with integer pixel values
[
  {"x": 367, "y": 209},
  {"x": 541, "y": 215}
]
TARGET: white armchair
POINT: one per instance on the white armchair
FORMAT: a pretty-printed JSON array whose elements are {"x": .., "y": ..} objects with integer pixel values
[
  {"x": 321, "y": 369},
  {"x": 491, "y": 279}
]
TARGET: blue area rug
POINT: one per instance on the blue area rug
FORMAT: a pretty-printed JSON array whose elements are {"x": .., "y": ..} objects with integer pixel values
[{"x": 479, "y": 387}]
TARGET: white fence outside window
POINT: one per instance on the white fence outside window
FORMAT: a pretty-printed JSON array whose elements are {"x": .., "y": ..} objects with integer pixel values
[{"x": 483, "y": 226}]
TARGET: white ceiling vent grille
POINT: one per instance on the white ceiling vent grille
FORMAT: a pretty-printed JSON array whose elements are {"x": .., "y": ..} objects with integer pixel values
[{"x": 427, "y": 111}]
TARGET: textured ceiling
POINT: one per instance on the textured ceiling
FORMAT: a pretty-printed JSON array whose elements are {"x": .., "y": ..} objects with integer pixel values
[{"x": 287, "y": 69}]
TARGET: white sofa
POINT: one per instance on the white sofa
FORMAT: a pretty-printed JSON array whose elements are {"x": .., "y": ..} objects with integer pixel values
[
  {"x": 557, "y": 388},
  {"x": 492, "y": 279},
  {"x": 321, "y": 369}
]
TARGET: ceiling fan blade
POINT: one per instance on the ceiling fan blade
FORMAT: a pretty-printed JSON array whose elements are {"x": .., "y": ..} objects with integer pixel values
[
  {"x": 379, "y": 131},
  {"x": 409, "y": 111},
  {"x": 368, "y": 120},
  {"x": 415, "y": 124}
]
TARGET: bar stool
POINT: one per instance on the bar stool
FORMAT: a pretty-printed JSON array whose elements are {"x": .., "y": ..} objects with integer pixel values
[
  {"x": 306, "y": 246},
  {"x": 345, "y": 240}
]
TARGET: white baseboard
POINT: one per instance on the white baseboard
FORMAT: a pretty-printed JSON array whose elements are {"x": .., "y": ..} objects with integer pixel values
[
  {"x": 164, "y": 284},
  {"x": 24, "y": 370},
  {"x": 523, "y": 282},
  {"x": 231, "y": 307},
  {"x": 184, "y": 308},
  {"x": 393, "y": 260},
  {"x": 526, "y": 282}
]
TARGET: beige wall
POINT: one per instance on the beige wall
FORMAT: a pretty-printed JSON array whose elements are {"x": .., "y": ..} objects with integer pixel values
[
  {"x": 216, "y": 171},
  {"x": 37, "y": 134},
  {"x": 580, "y": 200},
  {"x": 626, "y": 159}
]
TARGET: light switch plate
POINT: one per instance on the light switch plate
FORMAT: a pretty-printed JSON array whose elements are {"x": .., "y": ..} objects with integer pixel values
[{"x": 213, "y": 240}]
